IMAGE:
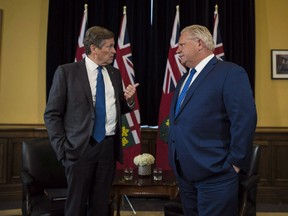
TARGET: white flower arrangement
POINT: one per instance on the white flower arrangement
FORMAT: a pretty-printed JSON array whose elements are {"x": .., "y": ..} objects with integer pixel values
[{"x": 144, "y": 159}]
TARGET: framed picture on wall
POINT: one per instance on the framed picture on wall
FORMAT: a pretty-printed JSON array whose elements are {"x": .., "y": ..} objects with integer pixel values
[{"x": 279, "y": 64}]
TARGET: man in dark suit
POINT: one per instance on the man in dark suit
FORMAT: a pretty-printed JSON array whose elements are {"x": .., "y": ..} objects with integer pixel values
[
  {"x": 212, "y": 125},
  {"x": 70, "y": 115}
]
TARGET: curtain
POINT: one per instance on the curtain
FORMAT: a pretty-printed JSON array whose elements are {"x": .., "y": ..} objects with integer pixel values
[{"x": 150, "y": 43}]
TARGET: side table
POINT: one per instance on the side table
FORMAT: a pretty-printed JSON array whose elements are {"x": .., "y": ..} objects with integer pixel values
[{"x": 144, "y": 186}]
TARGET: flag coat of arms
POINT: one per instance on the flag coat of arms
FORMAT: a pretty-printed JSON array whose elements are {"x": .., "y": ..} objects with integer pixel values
[
  {"x": 130, "y": 121},
  {"x": 173, "y": 72},
  {"x": 80, "y": 51}
]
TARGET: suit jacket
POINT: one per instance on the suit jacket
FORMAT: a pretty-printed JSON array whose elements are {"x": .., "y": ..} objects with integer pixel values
[
  {"x": 215, "y": 126},
  {"x": 69, "y": 114}
]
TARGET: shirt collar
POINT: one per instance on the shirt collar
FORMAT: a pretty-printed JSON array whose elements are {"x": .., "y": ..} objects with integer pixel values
[
  {"x": 92, "y": 66},
  {"x": 203, "y": 63}
]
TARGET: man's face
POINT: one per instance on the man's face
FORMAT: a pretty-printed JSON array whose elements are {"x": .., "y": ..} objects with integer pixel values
[
  {"x": 105, "y": 54},
  {"x": 188, "y": 50}
]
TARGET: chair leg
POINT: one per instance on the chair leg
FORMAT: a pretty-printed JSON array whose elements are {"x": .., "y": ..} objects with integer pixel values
[
  {"x": 27, "y": 204},
  {"x": 242, "y": 210}
]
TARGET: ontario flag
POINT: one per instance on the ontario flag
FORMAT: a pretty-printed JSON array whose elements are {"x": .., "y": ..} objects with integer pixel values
[
  {"x": 130, "y": 121},
  {"x": 80, "y": 51},
  {"x": 219, "y": 48},
  {"x": 173, "y": 72}
]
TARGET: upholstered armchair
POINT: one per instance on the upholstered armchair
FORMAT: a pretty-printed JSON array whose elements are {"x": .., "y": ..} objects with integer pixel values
[{"x": 43, "y": 179}]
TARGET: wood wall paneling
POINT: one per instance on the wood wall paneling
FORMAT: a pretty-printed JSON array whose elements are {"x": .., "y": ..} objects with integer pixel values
[
  {"x": 3, "y": 160},
  {"x": 272, "y": 188},
  {"x": 11, "y": 137}
]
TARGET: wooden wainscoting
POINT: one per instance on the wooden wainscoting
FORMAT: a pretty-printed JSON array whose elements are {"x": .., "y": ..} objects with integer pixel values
[
  {"x": 273, "y": 186},
  {"x": 11, "y": 137}
]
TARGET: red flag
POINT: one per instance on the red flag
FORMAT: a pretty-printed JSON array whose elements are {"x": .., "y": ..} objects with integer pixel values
[
  {"x": 219, "y": 49},
  {"x": 174, "y": 71},
  {"x": 80, "y": 51},
  {"x": 130, "y": 121}
]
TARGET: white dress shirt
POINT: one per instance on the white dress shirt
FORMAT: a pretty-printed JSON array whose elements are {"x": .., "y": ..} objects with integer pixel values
[
  {"x": 198, "y": 69},
  {"x": 110, "y": 101}
]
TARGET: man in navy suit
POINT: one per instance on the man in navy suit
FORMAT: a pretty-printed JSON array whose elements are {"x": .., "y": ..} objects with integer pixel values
[
  {"x": 69, "y": 117},
  {"x": 212, "y": 126}
]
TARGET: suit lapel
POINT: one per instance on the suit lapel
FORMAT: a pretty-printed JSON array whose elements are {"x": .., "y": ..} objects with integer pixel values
[
  {"x": 203, "y": 74},
  {"x": 176, "y": 93},
  {"x": 83, "y": 78}
]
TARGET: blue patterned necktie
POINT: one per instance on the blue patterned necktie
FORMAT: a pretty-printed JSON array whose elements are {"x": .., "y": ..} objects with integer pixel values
[
  {"x": 100, "y": 109},
  {"x": 184, "y": 91}
]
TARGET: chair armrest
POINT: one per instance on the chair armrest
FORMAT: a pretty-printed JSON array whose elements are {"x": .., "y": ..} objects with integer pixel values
[
  {"x": 56, "y": 194},
  {"x": 27, "y": 179},
  {"x": 249, "y": 182}
]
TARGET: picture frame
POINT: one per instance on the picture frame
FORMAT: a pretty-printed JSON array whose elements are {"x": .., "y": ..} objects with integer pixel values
[{"x": 279, "y": 64}]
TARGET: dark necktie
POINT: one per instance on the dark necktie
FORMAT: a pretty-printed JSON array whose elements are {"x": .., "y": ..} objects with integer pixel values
[
  {"x": 100, "y": 109},
  {"x": 184, "y": 91}
]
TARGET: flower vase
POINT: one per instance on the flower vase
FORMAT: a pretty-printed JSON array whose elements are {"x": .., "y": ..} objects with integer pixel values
[{"x": 144, "y": 170}]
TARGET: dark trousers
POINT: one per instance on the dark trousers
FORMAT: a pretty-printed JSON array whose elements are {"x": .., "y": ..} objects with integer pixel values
[
  {"x": 217, "y": 196},
  {"x": 89, "y": 180}
]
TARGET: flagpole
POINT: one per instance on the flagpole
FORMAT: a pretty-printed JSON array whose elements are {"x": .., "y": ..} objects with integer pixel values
[
  {"x": 119, "y": 63},
  {"x": 80, "y": 50},
  {"x": 134, "y": 212},
  {"x": 173, "y": 72},
  {"x": 219, "y": 50}
]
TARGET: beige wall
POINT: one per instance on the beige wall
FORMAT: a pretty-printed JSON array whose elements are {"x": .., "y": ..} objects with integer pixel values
[
  {"x": 23, "y": 59},
  {"x": 271, "y": 33},
  {"x": 23, "y": 56}
]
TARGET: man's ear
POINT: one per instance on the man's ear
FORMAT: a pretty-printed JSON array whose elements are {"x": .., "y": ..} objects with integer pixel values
[{"x": 93, "y": 48}]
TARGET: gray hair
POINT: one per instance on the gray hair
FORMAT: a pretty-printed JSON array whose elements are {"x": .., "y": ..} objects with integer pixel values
[
  {"x": 202, "y": 33},
  {"x": 96, "y": 35}
]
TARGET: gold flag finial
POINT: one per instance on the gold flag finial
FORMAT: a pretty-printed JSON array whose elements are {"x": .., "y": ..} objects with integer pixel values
[
  {"x": 124, "y": 9},
  {"x": 216, "y": 8},
  {"x": 177, "y": 7},
  {"x": 85, "y": 6}
]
